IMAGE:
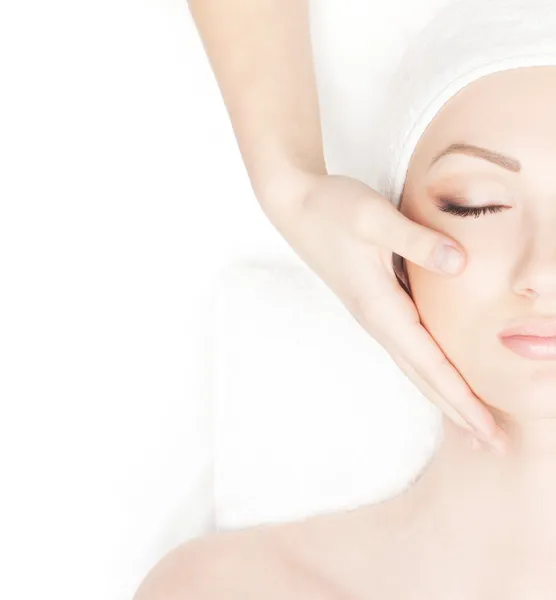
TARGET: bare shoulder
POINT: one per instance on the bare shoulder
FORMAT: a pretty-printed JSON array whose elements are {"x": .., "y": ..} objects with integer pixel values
[
  {"x": 271, "y": 561},
  {"x": 318, "y": 558},
  {"x": 345, "y": 552},
  {"x": 232, "y": 565},
  {"x": 330, "y": 556}
]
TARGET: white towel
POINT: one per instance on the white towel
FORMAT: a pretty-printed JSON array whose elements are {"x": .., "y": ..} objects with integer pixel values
[
  {"x": 310, "y": 414},
  {"x": 464, "y": 41}
]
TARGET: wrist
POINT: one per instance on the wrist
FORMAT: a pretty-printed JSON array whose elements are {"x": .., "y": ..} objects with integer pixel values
[{"x": 288, "y": 187}]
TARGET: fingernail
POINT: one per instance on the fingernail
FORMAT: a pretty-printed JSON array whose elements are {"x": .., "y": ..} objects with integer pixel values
[{"x": 448, "y": 259}]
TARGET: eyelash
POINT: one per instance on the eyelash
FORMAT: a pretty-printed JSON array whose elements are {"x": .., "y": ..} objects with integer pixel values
[{"x": 466, "y": 211}]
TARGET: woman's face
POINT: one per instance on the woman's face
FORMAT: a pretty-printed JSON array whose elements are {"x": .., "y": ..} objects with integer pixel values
[{"x": 510, "y": 272}]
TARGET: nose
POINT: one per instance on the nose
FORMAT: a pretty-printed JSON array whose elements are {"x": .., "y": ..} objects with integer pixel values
[{"x": 538, "y": 270}]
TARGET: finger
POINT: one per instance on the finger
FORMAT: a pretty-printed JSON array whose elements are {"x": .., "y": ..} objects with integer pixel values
[
  {"x": 430, "y": 393},
  {"x": 430, "y": 367},
  {"x": 437, "y": 400},
  {"x": 474, "y": 443},
  {"x": 379, "y": 222}
]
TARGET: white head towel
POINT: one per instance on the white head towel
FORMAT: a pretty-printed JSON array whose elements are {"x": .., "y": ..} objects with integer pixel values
[{"x": 465, "y": 40}]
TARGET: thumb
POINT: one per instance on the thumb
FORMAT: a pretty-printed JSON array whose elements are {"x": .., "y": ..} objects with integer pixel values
[{"x": 417, "y": 243}]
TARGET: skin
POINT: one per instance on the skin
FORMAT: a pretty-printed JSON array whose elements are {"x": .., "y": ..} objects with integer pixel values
[
  {"x": 474, "y": 525},
  {"x": 503, "y": 507}
]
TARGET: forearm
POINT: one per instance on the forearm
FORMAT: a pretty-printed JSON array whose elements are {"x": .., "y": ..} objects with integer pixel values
[{"x": 261, "y": 55}]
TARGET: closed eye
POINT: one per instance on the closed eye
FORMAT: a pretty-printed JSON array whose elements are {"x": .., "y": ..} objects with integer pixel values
[{"x": 468, "y": 211}]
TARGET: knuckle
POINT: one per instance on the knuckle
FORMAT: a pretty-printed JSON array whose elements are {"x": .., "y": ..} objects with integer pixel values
[{"x": 413, "y": 242}]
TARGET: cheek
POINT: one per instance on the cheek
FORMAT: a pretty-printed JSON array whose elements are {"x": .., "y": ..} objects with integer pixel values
[
  {"x": 443, "y": 307},
  {"x": 462, "y": 317}
]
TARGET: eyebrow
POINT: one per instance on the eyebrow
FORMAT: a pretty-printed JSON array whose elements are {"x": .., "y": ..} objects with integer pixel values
[{"x": 512, "y": 164}]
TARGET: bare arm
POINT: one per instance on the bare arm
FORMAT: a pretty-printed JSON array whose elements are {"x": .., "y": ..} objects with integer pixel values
[{"x": 261, "y": 55}]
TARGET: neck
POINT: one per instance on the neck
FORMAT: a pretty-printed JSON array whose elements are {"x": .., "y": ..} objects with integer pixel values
[{"x": 475, "y": 492}]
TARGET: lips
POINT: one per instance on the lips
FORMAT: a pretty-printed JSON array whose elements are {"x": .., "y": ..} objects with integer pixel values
[
  {"x": 544, "y": 328},
  {"x": 534, "y": 339},
  {"x": 535, "y": 348}
]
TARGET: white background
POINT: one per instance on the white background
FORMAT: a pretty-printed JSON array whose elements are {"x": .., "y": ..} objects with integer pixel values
[{"x": 122, "y": 194}]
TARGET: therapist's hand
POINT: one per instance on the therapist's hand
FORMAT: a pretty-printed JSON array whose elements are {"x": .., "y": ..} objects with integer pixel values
[{"x": 346, "y": 233}]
